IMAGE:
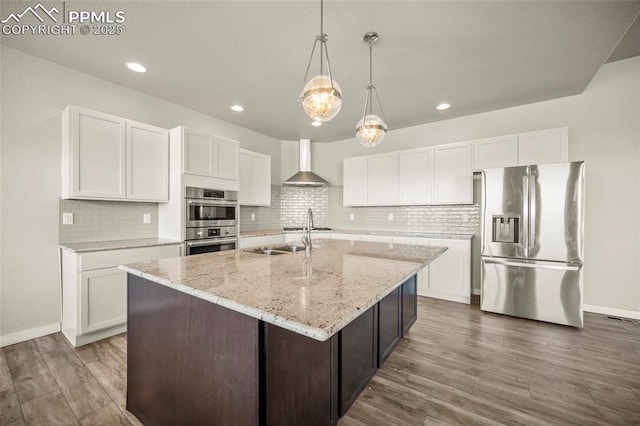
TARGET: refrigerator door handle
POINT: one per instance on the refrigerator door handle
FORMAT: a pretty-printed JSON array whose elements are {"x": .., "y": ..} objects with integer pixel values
[
  {"x": 532, "y": 212},
  {"x": 525, "y": 213},
  {"x": 536, "y": 264}
]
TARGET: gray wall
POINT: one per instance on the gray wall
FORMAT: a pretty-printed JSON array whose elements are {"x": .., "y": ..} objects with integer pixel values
[
  {"x": 34, "y": 92},
  {"x": 604, "y": 130}
]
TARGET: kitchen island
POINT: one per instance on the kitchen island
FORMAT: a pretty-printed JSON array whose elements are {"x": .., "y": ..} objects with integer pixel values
[{"x": 241, "y": 337}]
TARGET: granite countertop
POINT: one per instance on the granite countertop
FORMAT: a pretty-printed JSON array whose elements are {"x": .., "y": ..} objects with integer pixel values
[
  {"x": 117, "y": 244},
  {"x": 314, "y": 294},
  {"x": 261, "y": 233},
  {"x": 415, "y": 234}
]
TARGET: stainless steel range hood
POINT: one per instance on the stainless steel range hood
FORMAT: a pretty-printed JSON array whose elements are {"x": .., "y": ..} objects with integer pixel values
[{"x": 305, "y": 177}]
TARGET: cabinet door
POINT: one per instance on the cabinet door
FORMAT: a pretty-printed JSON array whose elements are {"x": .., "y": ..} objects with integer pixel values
[
  {"x": 546, "y": 146},
  {"x": 244, "y": 194},
  {"x": 496, "y": 152},
  {"x": 147, "y": 162},
  {"x": 409, "y": 304},
  {"x": 261, "y": 180},
  {"x": 355, "y": 181},
  {"x": 449, "y": 274},
  {"x": 98, "y": 152},
  {"x": 226, "y": 159},
  {"x": 198, "y": 153},
  {"x": 381, "y": 179},
  {"x": 452, "y": 174},
  {"x": 359, "y": 362},
  {"x": 389, "y": 324},
  {"x": 103, "y": 299},
  {"x": 415, "y": 176}
]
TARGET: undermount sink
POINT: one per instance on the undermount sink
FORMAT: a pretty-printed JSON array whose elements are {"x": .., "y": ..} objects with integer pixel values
[
  {"x": 268, "y": 252},
  {"x": 292, "y": 248}
]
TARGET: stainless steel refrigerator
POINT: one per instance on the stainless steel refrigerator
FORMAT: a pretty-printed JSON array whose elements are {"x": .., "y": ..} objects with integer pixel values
[{"x": 532, "y": 242}]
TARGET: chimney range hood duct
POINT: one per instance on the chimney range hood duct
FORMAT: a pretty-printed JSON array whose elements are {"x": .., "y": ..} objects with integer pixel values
[{"x": 305, "y": 177}]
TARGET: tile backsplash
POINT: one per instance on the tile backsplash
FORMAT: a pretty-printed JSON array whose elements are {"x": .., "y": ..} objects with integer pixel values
[
  {"x": 295, "y": 202},
  {"x": 445, "y": 218},
  {"x": 265, "y": 217},
  {"x": 106, "y": 220},
  {"x": 115, "y": 220}
]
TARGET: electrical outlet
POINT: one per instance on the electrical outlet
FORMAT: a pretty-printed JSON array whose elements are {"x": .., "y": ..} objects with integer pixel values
[
  {"x": 67, "y": 218},
  {"x": 465, "y": 217},
  {"x": 146, "y": 218},
  {"x": 253, "y": 216},
  {"x": 390, "y": 216},
  {"x": 352, "y": 216}
]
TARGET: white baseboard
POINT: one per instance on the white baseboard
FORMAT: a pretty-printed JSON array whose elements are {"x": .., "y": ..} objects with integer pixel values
[
  {"x": 25, "y": 335},
  {"x": 624, "y": 313}
]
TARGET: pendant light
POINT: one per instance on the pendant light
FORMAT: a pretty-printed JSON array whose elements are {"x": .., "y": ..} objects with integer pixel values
[
  {"x": 321, "y": 96},
  {"x": 371, "y": 129}
]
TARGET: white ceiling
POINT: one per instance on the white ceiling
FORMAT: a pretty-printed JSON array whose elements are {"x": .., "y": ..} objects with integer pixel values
[{"x": 478, "y": 56}]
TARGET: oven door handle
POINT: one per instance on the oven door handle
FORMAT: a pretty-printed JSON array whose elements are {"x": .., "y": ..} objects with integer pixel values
[
  {"x": 213, "y": 203},
  {"x": 211, "y": 242}
]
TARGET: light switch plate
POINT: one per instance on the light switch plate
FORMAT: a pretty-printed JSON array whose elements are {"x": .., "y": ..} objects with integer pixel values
[
  {"x": 146, "y": 218},
  {"x": 390, "y": 216},
  {"x": 67, "y": 218},
  {"x": 253, "y": 216},
  {"x": 465, "y": 217},
  {"x": 352, "y": 216}
]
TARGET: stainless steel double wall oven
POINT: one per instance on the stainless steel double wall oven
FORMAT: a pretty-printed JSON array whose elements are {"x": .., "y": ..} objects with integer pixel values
[{"x": 211, "y": 220}]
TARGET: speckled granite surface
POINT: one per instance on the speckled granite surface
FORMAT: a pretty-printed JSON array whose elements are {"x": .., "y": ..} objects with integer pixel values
[
  {"x": 417, "y": 234},
  {"x": 314, "y": 294},
  {"x": 117, "y": 244}
]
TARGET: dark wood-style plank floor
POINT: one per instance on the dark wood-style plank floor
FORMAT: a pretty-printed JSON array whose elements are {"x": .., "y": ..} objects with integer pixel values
[{"x": 457, "y": 366}]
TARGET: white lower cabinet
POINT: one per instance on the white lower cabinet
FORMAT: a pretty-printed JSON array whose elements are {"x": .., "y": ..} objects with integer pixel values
[
  {"x": 103, "y": 294},
  {"x": 448, "y": 277},
  {"x": 450, "y": 273},
  {"x": 94, "y": 290}
]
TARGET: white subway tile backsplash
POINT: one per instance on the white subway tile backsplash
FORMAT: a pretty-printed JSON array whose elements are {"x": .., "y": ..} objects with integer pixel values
[{"x": 106, "y": 220}]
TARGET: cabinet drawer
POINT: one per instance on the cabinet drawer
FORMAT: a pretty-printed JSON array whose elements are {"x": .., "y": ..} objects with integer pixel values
[{"x": 111, "y": 258}]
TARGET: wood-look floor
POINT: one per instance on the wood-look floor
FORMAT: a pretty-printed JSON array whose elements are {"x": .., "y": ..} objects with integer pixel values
[{"x": 457, "y": 366}]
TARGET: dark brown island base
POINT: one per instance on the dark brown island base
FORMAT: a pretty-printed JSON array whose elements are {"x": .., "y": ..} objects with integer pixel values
[{"x": 198, "y": 356}]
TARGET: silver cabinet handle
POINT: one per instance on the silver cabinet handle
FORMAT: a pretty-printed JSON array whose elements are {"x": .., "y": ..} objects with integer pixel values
[
  {"x": 213, "y": 242},
  {"x": 542, "y": 265}
]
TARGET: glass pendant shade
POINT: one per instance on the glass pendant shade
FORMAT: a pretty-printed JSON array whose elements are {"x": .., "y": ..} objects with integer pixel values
[
  {"x": 370, "y": 130},
  {"x": 321, "y": 98}
]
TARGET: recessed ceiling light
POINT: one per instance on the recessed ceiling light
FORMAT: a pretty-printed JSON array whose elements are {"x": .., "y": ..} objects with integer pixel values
[
  {"x": 443, "y": 106},
  {"x": 316, "y": 123},
  {"x": 134, "y": 66},
  {"x": 237, "y": 108}
]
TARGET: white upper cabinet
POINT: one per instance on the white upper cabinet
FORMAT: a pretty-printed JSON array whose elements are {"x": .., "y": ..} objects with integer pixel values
[
  {"x": 433, "y": 175},
  {"x": 415, "y": 176},
  {"x": 211, "y": 156},
  {"x": 355, "y": 181},
  {"x": 147, "y": 162},
  {"x": 226, "y": 158},
  {"x": 105, "y": 157},
  {"x": 496, "y": 152},
  {"x": 198, "y": 153},
  {"x": 452, "y": 174},
  {"x": 381, "y": 179},
  {"x": 255, "y": 179},
  {"x": 541, "y": 147},
  {"x": 546, "y": 146}
]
